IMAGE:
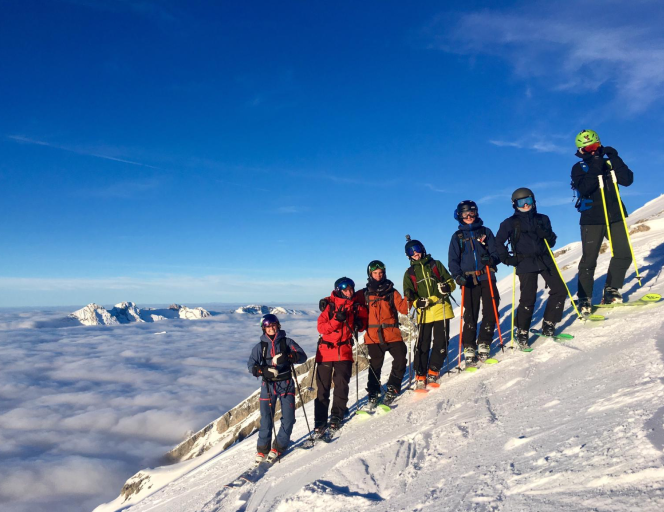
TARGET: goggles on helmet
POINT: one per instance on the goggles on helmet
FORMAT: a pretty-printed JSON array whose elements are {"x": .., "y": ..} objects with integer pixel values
[
  {"x": 468, "y": 215},
  {"x": 520, "y": 203},
  {"x": 591, "y": 147},
  {"x": 411, "y": 250},
  {"x": 344, "y": 284},
  {"x": 376, "y": 265}
]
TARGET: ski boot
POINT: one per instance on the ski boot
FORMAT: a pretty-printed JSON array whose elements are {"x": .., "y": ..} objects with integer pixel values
[
  {"x": 319, "y": 432},
  {"x": 372, "y": 400},
  {"x": 432, "y": 379},
  {"x": 272, "y": 456},
  {"x": 483, "y": 351},
  {"x": 548, "y": 328},
  {"x": 335, "y": 424},
  {"x": 469, "y": 356},
  {"x": 522, "y": 338},
  {"x": 585, "y": 307},
  {"x": 260, "y": 457},
  {"x": 390, "y": 395},
  {"x": 612, "y": 296},
  {"x": 420, "y": 383}
]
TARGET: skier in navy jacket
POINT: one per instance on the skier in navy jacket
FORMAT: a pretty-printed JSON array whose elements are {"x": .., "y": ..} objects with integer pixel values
[
  {"x": 526, "y": 231},
  {"x": 272, "y": 359},
  {"x": 472, "y": 249}
]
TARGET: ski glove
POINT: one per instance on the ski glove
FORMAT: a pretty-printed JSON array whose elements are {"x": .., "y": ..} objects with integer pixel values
[
  {"x": 421, "y": 303},
  {"x": 340, "y": 316},
  {"x": 512, "y": 261},
  {"x": 292, "y": 357},
  {"x": 269, "y": 372},
  {"x": 278, "y": 359},
  {"x": 358, "y": 325},
  {"x": 256, "y": 371},
  {"x": 322, "y": 304},
  {"x": 444, "y": 288},
  {"x": 485, "y": 259},
  {"x": 461, "y": 280}
]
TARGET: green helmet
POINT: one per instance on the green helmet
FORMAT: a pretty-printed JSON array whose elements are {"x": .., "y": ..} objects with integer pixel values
[{"x": 586, "y": 138}]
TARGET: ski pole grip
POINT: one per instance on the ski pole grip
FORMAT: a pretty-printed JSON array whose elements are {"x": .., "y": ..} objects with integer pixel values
[
  {"x": 601, "y": 181},
  {"x": 613, "y": 175}
]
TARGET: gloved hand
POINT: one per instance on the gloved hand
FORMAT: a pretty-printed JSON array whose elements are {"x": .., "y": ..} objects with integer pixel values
[
  {"x": 461, "y": 280},
  {"x": 485, "y": 259},
  {"x": 257, "y": 371},
  {"x": 322, "y": 304},
  {"x": 270, "y": 372},
  {"x": 444, "y": 288},
  {"x": 358, "y": 325},
  {"x": 422, "y": 303},
  {"x": 340, "y": 316},
  {"x": 292, "y": 357},
  {"x": 278, "y": 359},
  {"x": 513, "y": 261}
]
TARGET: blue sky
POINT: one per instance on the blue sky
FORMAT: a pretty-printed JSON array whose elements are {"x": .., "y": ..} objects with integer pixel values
[{"x": 256, "y": 151}]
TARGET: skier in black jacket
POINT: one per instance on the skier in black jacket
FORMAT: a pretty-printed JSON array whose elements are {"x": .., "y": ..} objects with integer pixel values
[
  {"x": 526, "y": 231},
  {"x": 598, "y": 161}
]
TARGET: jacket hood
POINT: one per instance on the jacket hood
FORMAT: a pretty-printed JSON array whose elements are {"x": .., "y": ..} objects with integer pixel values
[
  {"x": 340, "y": 302},
  {"x": 423, "y": 260},
  {"x": 471, "y": 227},
  {"x": 381, "y": 287}
]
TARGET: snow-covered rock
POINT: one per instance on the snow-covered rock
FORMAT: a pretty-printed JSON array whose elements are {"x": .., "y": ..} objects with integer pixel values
[
  {"x": 94, "y": 314},
  {"x": 128, "y": 312},
  {"x": 264, "y": 310}
]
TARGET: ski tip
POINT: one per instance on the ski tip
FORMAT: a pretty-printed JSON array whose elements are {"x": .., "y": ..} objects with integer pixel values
[
  {"x": 491, "y": 361},
  {"x": 384, "y": 408},
  {"x": 363, "y": 414},
  {"x": 433, "y": 385},
  {"x": 470, "y": 369},
  {"x": 651, "y": 297}
]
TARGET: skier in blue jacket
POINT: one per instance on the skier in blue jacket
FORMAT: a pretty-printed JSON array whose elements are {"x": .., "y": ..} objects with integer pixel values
[
  {"x": 273, "y": 359},
  {"x": 472, "y": 250}
]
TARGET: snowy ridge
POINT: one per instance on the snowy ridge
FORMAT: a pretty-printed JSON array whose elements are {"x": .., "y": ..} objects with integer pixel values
[
  {"x": 128, "y": 312},
  {"x": 264, "y": 310},
  {"x": 574, "y": 426}
]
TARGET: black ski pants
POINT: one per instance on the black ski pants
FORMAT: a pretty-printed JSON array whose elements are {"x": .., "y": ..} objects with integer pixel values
[
  {"x": 472, "y": 296},
  {"x": 439, "y": 331},
  {"x": 339, "y": 373},
  {"x": 592, "y": 237},
  {"x": 554, "y": 305},
  {"x": 398, "y": 350}
]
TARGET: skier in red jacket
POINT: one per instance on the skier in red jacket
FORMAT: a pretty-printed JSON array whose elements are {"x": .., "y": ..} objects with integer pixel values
[{"x": 337, "y": 322}]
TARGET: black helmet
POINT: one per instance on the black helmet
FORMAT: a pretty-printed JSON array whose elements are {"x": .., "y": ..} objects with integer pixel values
[
  {"x": 522, "y": 193},
  {"x": 414, "y": 246},
  {"x": 268, "y": 320},
  {"x": 375, "y": 265},
  {"x": 465, "y": 206},
  {"x": 343, "y": 283}
]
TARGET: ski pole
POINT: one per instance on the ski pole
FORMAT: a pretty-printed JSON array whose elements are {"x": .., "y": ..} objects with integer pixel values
[
  {"x": 297, "y": 385},
  {"x": 622, "y": 213},
  {"x": 495, "y": 309},
  {"x": 513, "y": 298},
  {"x": 563, "y": 280},
  {"x": 410, "y": 353},
  {"x": 463, "y": 292},
  {"x": 606, "y": 213},
  {"x": 313, "y": 375},
  {"x": 357, "y": 368}
]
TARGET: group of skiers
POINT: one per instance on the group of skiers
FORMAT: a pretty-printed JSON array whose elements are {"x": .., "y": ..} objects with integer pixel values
[{"x": 524, "y": 241}]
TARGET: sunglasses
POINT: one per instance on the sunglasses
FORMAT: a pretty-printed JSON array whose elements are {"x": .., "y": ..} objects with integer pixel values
[
  {"x": 376, "y": 266},
  {"x": 412, "y": 250},
  {"x": 520, "y": 203}
]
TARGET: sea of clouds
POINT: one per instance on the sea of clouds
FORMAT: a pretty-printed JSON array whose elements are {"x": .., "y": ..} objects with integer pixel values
[{"x": 84, "y": 408}]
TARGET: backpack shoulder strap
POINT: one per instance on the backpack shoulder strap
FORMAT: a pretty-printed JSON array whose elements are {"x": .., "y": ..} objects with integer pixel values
[
  {"x": 393, "y": 307},
  {"x": 413, "y": 277},
  {"x": 434, "y": 269},
  {"x": 284, "y": 346},
  {"x": 459, "y": 235},
  {"x": 264, "y": 351}
]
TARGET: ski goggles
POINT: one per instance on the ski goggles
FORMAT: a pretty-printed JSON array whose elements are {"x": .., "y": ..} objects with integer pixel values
[
  {"x": 376, "y": 265},
  {"x": 468, "y": 215},
  {"x": 591, "y": 147},
  {"x": 345, "y": 284},
  {"x": 520, "y": 203},
  {"x": 412, "y": 250},
  {"x": 269, "y": 320}
]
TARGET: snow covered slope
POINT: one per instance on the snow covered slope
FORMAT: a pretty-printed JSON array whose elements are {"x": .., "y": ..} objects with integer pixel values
[{"x": 574, "y": 426}]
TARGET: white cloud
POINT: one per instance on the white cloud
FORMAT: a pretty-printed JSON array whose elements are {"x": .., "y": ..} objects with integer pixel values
[{"x": 568, "y": 50}]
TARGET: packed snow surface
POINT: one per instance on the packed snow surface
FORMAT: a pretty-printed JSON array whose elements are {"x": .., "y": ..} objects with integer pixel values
[{"x": 571, "y": 426}]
